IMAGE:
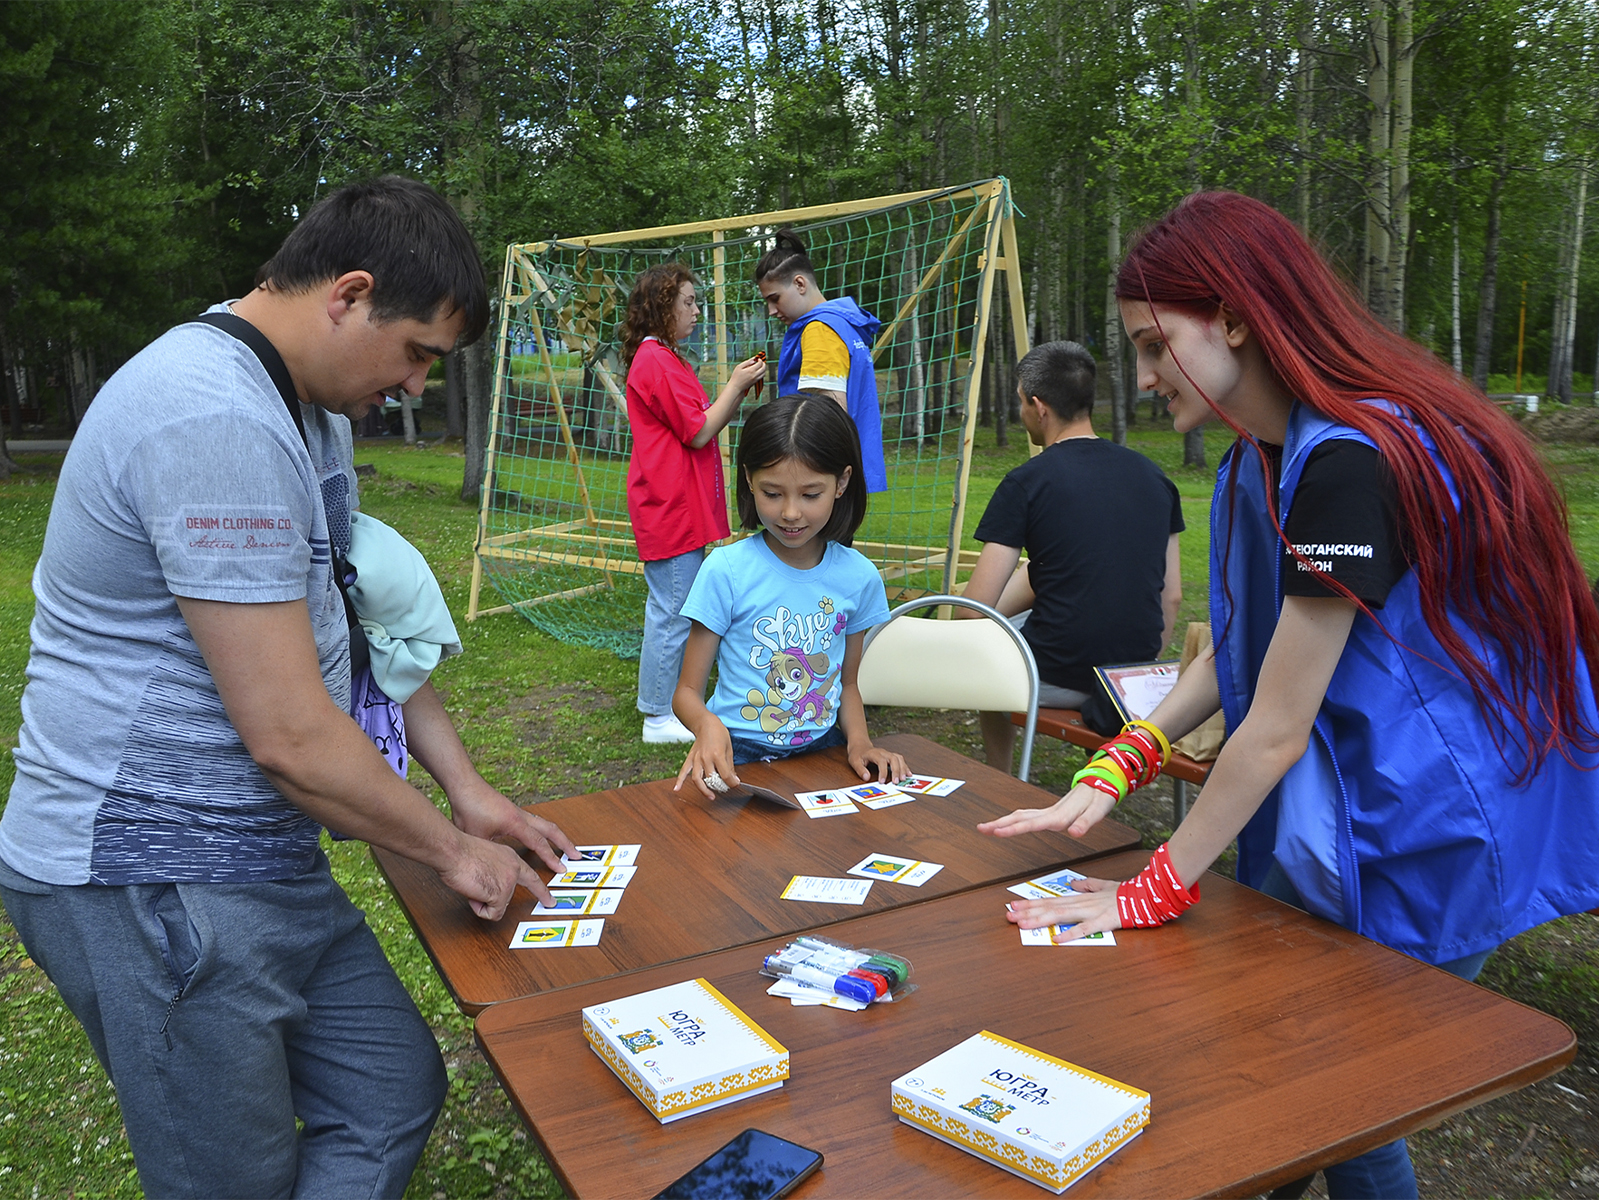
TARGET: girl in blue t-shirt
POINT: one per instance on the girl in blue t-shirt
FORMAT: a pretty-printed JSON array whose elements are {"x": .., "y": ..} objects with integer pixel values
[{"x": 775, "y": 611}]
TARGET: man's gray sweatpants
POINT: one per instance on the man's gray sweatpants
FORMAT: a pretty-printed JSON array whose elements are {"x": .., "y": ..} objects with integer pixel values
[{"x": 224, "y": 1011}]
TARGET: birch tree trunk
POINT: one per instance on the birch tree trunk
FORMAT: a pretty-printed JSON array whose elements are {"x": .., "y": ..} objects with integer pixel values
[
  {"x": 1379, "y": 181},
  {"x": 1403, "y": 56},
  {"x": 1488, "y": 291},
  {"x": 912, "y": 275},
  {"x": 1113, "y": 321},
  {"x": 1563, "y": 330}
]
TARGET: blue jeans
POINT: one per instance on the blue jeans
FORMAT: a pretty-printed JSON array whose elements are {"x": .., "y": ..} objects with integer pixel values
[
  {"x": 665, "y": 630},
  {"x": 224, "y": 1011},
  {"x": 748, "y": 750},
  {"x": 1384, "y": 1173}
]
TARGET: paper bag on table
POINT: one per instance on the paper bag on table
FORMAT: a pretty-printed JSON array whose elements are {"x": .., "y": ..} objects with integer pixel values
[{"x": 1204, "y": 743}]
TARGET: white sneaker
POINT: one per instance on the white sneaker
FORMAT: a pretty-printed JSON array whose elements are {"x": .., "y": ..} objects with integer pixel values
[{"x": 665, "y": 728}]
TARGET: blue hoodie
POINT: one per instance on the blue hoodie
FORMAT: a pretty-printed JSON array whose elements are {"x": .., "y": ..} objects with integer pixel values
[
  {"x": 1401, "y": 821},
  {"x": 856, "y": 328}
]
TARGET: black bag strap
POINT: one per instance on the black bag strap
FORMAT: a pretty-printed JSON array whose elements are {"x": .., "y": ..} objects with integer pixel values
[
  {"x": 278, "y": 370},
  {"x": 268, "y": 354}
]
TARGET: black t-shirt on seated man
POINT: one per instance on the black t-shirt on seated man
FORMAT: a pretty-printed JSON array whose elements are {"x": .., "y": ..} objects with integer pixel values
[
  {"x": 1344, "y": 520},
  {"x": 1094, "y": 519}
]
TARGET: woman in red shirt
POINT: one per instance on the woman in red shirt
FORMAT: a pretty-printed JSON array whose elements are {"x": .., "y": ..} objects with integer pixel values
[{"x": 675, "y": 494}]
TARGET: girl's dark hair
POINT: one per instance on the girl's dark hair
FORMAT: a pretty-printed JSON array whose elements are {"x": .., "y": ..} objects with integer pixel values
[
  {"x": 816, "y": 430},
  {"x": 649, "y": 308},
  {"x": 421, "y": 257},
  {"x": 786, "y": 259},
  {"x": 1500, "y": 560}
]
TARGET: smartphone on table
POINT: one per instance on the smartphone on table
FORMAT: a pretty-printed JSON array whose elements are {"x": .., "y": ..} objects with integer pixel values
[{"x": 753, "y": 1166}]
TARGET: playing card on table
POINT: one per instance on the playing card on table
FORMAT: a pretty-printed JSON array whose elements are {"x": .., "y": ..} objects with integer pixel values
[
  {"x": 888, "y": 801},
  {"x": 600, "y": 856},
  {"x": 1046, "y": 937},
  {"x": 579, "y": 903},
  {"x": 1047, "y": 887},
  {"x": 928, "y": 785},
  {"x": 827, "y": 891},
  {"x": 824, "y": 804},
  {"x": 895, "y": 869},
  {"x": 595, "y": 877},
  {"x": 544, "y": 935},
  {"x": 873, "y": 795}
]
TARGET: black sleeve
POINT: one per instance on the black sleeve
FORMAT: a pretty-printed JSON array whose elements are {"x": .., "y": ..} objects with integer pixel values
[
  {"x": 1177, "y": 523},
  {"x": 1344, "y": 519},
  {"x": 1005, "y": 519}
]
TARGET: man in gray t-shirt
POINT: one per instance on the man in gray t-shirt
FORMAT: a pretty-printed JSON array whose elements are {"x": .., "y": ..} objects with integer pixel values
[{"x": 185, "y": 735}]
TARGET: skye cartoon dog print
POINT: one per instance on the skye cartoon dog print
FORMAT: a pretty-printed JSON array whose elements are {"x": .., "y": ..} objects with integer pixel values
[{"x": 796, "y": 694}]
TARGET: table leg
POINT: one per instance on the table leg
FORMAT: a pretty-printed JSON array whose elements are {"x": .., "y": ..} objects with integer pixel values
[{"x": 1179, "y": 801}]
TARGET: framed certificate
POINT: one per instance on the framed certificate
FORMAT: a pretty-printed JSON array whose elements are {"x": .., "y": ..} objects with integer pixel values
[{"x": 1136, "y": 688}]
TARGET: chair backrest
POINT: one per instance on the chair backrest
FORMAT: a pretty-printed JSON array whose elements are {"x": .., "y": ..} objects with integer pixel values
[{"x": 967, "y": 664}]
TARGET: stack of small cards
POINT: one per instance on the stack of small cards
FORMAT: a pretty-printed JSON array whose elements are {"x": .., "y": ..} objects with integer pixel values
[
  {"x": 1052, "y": 887},
  {"x": 589, "y": 887}
]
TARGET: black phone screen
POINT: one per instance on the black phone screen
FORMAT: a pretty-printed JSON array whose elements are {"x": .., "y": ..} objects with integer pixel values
[{"x": 753, "y": 1166}]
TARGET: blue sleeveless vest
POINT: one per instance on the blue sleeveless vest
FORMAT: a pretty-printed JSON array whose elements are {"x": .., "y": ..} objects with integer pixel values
[
  {"x": 1401, "y": 820},
  {"x": 856, "y": 328}
]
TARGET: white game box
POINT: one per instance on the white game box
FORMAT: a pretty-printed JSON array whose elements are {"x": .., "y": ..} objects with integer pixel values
[
  {"x": 1035, "y": 1115},
  {"x": 684, "y": 1049}
]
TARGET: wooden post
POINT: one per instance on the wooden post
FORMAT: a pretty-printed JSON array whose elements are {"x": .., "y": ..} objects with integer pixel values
[
  {"x": 985, "y": 296},
  {"x": 1018, "y": 306},
  {"x": 719, "y": 317},
  {"x": 500, "y": 378}
]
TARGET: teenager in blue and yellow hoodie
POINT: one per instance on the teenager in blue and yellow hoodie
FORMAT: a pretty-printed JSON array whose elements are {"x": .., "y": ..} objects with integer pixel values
[{"x": 828, "y": 346}]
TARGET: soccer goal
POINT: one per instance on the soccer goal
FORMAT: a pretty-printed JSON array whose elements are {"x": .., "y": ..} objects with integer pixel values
[{"x": 554, "y": 540}]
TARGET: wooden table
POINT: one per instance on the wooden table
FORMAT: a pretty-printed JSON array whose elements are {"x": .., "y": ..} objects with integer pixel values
[
  {"x": 1272, "y": 1044},
  {"x": 710, "y": 871}
]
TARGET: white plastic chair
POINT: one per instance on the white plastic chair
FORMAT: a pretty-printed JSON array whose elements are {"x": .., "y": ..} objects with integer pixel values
[{"x": 985, "y": 665}]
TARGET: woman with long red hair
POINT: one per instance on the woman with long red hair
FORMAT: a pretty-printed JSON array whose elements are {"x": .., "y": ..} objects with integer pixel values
[{"x": 1403, "y": 632}]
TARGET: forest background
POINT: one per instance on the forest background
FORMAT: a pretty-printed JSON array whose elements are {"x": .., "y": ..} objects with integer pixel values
[{"x": 1442, "y": 151}]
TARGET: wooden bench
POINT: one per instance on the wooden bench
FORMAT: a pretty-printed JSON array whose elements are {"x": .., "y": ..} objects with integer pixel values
[{"x": 1067, "y": 725}]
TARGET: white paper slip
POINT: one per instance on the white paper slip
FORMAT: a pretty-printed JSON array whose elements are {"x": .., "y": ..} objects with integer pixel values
[
  {"x": 870, "y": 793},
  {"x": 1046, "y": 937},
  {"x": 824, "y": 804},
  {"x": 542, "y": 935},
  {"x": 803, "y": 995},
  {"x": 580, "y": 903},
  {"x": 588, "y": 857},
  {"x": 827, "y": 891},
  {"x": 895, "y": 869},
  {"x": 928, "y": 785},
  {"x": 1047, "y": 887},
  {"x": 594, "y": 877}
]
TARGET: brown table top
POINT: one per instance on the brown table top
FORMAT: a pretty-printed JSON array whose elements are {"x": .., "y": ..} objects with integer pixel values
[
  {"x": 1271, "y": 1043},
  {"x": 710, "y": 871}
]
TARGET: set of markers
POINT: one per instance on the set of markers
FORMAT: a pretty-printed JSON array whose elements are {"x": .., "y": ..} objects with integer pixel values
[{"x": 819, "y": 971}]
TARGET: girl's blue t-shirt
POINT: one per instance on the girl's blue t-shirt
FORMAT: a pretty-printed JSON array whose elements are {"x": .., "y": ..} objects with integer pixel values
[{"x": 782, "y": 654}]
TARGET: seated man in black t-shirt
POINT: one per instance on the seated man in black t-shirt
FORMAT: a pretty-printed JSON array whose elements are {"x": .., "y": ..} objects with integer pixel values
[{"x": 1099, "y": 523}]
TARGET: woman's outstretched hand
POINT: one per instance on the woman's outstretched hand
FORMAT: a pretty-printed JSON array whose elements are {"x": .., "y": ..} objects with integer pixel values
[
  {"x": 1078, "y": 811},
  {"x": 1091, "y": 910}
]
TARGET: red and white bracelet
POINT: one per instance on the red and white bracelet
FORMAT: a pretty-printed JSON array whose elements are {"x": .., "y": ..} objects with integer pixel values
[{"x": 1155, "y": 895}]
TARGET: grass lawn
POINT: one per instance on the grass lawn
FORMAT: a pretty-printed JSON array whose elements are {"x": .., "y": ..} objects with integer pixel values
[{"x": 545, "y": 719}]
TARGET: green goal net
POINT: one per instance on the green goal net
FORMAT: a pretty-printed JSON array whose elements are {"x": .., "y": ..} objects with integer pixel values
[{"x": 554, "y": 539}]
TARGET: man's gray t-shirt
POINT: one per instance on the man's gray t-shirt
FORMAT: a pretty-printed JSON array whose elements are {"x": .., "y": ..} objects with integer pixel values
[{"x": 187, "y": 478}]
